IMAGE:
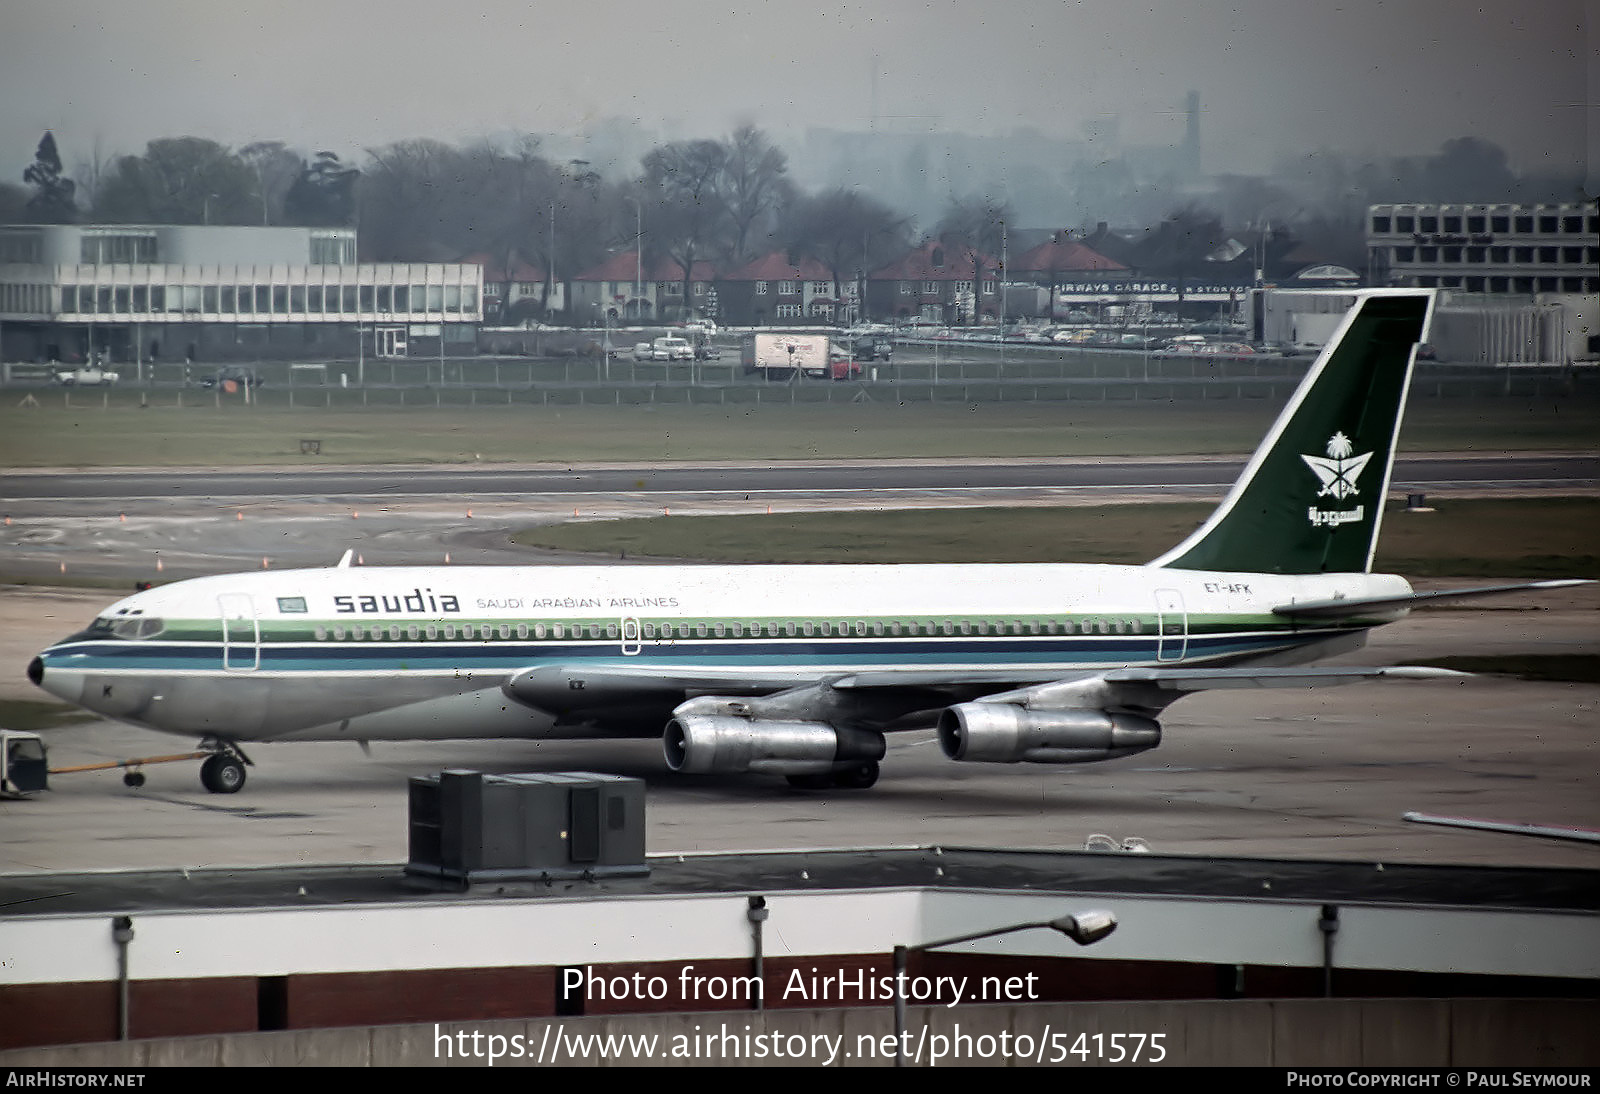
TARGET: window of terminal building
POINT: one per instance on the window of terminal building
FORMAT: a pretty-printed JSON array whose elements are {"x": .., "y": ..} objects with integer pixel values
[
  {"x": 1405, "y": 224},
  {"x": 1547, "y": 255},
  {"x": 263, "y": 300},
  {"x": 1430, "y": 224},
  {"x": 1549, "y": 225},
  {"x": 1500, "y": 224},
  {"x": 1380, "y": 225},
  {"x": 1572, "y": 284},
  {"x": 436, "y": 298},
  {"x": 1499, "y": 254},
  {"x": 400, "y": 298},
  {"x": 208, "y": 299},
  {"x": 1572, "y": 255},
  {"x": 1474, "y": 284},
  {"x": 141, "y": 298},
  {"x": 297, "y": 299},
  {"x": 1498, "y": 284},
  {"x": 452, "y": 299},
  {"x": 364, "y": 297},
  {"x": 158, "y": 298},
  {"x": 1594, "y": 225},
  {"x": 1476, "y": 254},
  {"x": 24, "y": 245},
  {"x": 102, "y": 299},
  {"x": 1452, "y": 224},
  {"x": 1524, "y": 254},
  {"x": 1525, "y": 225},
  {"x": 1475, "y": 224},
  {"x": 347, "y": 294},
  {"x": 385, "y": 298},
  {"x": 1405, "y": 254},
  {"x": 1429, "y": 254},
  {"x": 280, "y": 300},
  {"x": 1452, "y": 254},
  {"x": 120, "y": 249}
]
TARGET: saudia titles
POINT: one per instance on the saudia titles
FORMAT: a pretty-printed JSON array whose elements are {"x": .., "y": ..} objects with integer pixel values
[
  {"x": 417, "y": 600},
  {"x": 1337, "y": 472}
]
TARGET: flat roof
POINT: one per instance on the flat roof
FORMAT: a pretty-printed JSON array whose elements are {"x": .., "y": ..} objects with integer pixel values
[{"x": 1018, "y": 871}]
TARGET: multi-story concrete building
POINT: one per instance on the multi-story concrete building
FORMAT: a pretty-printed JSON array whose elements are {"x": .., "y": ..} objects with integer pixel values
[
  {"x": 149, "y": 293},
  {"x": 1521, "y": 249}
]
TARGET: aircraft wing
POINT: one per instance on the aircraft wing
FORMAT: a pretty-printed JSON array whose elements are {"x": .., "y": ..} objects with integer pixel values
[
  {"x": 577, "y": 690},
  {"x": 1340, "y": 609}
]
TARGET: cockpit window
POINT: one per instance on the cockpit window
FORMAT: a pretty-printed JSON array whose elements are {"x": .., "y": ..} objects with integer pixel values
[{"x": 129, "y": 626}]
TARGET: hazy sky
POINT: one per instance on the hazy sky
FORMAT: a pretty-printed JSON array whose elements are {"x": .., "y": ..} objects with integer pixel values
[{"x": 1275, "y": 76}]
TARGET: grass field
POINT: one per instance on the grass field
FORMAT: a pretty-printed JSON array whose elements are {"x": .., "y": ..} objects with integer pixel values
[
  {"x": 121, "y": 433},
  {"x": 1510, "y": 537}
]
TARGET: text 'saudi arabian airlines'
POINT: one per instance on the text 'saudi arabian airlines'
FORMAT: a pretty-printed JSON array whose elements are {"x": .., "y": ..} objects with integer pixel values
[{"x": 800, "y": 670}]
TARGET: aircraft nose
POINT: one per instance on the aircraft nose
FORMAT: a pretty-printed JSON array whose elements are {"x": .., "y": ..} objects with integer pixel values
[{"x": 36, "y": 671}]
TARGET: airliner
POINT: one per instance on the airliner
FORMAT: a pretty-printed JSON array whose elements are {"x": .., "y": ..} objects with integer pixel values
[{"x": 800, "y": 671}]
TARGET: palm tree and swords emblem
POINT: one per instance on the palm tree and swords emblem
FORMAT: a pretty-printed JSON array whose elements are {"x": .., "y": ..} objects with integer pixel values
[{"x": 1338, "y": 470}]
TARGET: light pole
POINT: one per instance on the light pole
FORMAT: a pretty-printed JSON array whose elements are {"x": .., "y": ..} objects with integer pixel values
[
  {"x": 1084, "y": 928},
  {"x": 638, "y": 253}
]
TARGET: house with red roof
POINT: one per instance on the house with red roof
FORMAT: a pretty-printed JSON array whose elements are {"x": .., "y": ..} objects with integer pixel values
[
  {"x": 515, "y": 294},
  {"x": 944, "y": 283},
  {"x": 628, "y": 288},
  {"x": 779, "y": 289}
]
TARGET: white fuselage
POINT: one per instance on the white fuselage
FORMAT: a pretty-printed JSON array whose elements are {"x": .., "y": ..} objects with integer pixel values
[{"x": 421, "y": 653}]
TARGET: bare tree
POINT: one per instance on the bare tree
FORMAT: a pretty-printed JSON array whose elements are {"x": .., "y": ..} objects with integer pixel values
[
  {"x": 755, "y": 187},
  {"x": 277, "y": 169},
  {"x": 978, "y": 226},
  {"x": 180, "y": 180},
  {"x": 690, "y": 220},
  {"x": 849, "y": 233}
]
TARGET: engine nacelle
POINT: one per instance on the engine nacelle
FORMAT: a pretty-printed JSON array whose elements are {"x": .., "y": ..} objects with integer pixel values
[
  {"x": 1006, "y": 734},
  {"x": 704, "y": 744}
]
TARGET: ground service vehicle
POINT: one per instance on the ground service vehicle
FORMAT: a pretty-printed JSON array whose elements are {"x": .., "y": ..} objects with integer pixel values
[{"x": 783, "y": 356}]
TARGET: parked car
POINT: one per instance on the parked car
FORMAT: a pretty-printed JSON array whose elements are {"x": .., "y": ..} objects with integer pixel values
[
  {"x": 87, "y": 376},
  {"x": 642, "y": 351},
  {"x": 231, "y": 374}
]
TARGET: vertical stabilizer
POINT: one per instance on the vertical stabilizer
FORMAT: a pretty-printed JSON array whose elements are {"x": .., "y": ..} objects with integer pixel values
[{"x": 1311, "y": 498}]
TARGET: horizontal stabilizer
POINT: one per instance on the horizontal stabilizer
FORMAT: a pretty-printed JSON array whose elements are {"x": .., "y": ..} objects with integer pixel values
[{"x": 1341, "y": 609}]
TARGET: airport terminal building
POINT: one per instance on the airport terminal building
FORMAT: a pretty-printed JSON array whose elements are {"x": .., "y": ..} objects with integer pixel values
[
  {"x": 150, "y": 294},
  {"x": 1519, "y": 249}
]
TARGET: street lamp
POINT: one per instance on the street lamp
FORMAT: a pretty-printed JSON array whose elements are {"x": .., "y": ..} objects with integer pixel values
[{"x": 1084, "y": 928}]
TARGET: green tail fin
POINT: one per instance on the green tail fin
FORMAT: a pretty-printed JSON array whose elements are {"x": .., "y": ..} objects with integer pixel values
[{"x": 1311, "y": 498}]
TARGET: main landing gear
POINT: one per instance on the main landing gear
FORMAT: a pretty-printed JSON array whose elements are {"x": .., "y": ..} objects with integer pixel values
[
  {"x": 854, "y": 776},
  {"x": 223, "y": 772}
]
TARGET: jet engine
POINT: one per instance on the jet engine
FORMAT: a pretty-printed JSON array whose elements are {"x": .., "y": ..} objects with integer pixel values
[
  {"x": 702, "y": 744},
  {"x": 1006, "y": 733}
]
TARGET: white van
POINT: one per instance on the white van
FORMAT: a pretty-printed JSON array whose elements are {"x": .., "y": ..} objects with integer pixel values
[{"x": 672, "y": 349}]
